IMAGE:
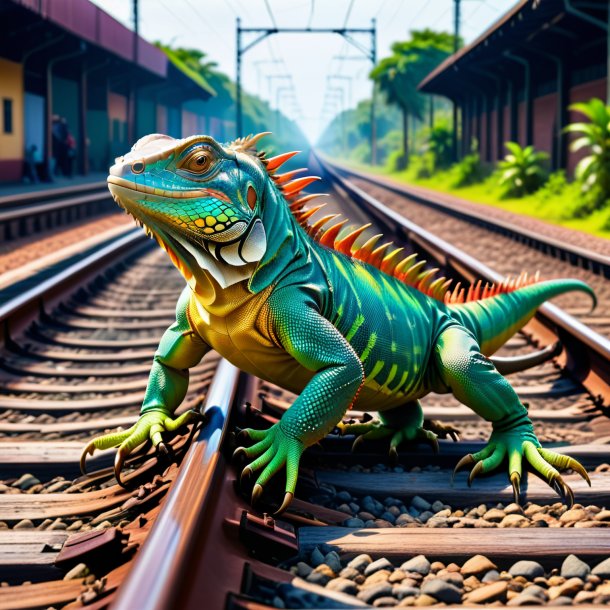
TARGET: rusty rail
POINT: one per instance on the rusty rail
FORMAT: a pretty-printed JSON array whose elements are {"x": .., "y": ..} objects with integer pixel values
[
  {"x": 22, "y": 309},
  {"x": 587, "y": 353},
  {"x": 164, "y": 559}
]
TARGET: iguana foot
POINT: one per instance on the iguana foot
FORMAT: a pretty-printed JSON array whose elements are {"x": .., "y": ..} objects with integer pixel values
[
  {"x": 442, "y": 430},
  {"x": 516, "y": 444},
  {"x": 150, "y": 425},
  {"x": 273, "y": 449},
  {"x": 375, "y": 430}
]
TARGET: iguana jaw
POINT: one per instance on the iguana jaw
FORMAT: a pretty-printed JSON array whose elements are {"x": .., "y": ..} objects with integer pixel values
[{"x": 227, "y": 261}]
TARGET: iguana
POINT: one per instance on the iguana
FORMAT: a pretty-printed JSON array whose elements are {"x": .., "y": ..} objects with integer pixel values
[{"x": 323, "y": 312}]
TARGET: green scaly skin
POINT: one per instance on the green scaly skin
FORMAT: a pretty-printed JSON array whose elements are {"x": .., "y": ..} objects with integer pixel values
[{"x": 337, "y": 331}]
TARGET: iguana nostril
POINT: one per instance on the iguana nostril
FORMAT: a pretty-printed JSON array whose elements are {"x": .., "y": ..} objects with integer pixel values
[
  {"x": 137, "y": 167},
  {"x": 251, "y": 197}
]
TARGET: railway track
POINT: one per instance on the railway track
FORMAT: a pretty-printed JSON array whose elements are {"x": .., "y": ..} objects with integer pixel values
[
  {"x": 36, "y": 212},
  {"x": 362, "y": 531}
]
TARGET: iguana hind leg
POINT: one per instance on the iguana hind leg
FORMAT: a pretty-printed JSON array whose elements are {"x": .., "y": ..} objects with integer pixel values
[
  {"x": 401, "y": 424},
  {"x": 475, "y": 382}
]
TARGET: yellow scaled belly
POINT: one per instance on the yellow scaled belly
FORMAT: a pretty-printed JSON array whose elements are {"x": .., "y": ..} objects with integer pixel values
[{"x": 239, "y": 333}]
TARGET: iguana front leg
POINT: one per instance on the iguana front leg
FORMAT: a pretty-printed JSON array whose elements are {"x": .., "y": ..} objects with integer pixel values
[
  {"x": 179, "y": 350},
  {"x": 475, "y": 382},
  {"x": 401, "y": 424},
  {"x": 315, "y": 344}
]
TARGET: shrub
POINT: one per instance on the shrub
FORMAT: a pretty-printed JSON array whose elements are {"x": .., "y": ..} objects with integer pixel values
[
  {"x": 522, "y": 171},
  {"x": 396, "y": 161},
  {"x": 440, "y": 145},
  {"x": 423, "y": 166},
  {"x": 555, "y": 185},
  {"x": 594, "y": 170},
  {"x": 469, "y": 170}
]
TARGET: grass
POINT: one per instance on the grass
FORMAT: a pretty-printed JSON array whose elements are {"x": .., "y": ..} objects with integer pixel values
[{"x": 554, "y": 208}]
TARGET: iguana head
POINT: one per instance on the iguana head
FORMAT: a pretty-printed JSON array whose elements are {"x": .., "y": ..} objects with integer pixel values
[{"x": 200, "y": 200}]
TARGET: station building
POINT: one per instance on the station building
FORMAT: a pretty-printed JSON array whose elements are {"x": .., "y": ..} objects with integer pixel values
[
  {"x": 69, "y": 60},
  {"x": 517, "y": 80}
]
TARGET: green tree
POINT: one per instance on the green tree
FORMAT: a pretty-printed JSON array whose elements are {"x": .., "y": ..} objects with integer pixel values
[
  {"x": 398, "y": 75},
  {"x": 593, "y": 170}
]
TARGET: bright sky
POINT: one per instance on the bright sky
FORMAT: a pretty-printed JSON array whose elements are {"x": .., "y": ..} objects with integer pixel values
[{"x": 310, "y": 97}]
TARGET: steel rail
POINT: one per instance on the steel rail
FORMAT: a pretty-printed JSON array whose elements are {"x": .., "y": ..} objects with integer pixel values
[
  {"x": 21, "y": 309},
  {"x": 163, "y": 561},
  {"x": 10, "y": 201},
  {"x": 593, "y": 261},
  {"x": 588, "y": 353}
]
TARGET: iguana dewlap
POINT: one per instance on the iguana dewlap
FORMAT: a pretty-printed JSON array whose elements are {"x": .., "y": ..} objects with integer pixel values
[{"x": 340, "y": 319}]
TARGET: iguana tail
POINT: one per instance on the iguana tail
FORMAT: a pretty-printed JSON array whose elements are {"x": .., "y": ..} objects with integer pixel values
[{"x": 494, "y": 320}]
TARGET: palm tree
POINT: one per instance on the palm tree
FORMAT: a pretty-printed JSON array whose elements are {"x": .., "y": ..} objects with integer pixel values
[
  {"x": 594, "y": 169},
  {"x": 399, "y": 74}
]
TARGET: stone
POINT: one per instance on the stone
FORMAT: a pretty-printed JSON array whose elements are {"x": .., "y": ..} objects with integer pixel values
[
  {"x": 495, "y": 591},
  {"x": 353, "y": 522},
  {"x": 528, "y": 569},
  {"x": 536, "y": 591},
  {"x": 603, "y": 515},
  {"x": 344, "y": 496},
  {"x": 477, "y": 565},
  {"x": 437, "y": 506},
  {"x": 455, "y": 578},
  {"x": 383, "y": 523},
  {"x": 420, "y": 504},
  {"x": 79, "y": 571},
  {"x": 483, "y": 523},
  {"x": 602, "y": 569},
  {"x": 514, "y": 520},
  {"x": 348, "y": 572},
  {"x": 568, "y": 589},
  {"x": 26, "y": 481},
  {"x": 343, "y": 585},
  {"x": 561, "y": 601},
  {"x": 436, "y": 566},
  {"x": 324, "y": 569},
  {"x": 443, "y": 514},
  {"x": 317, "y": 557},
  {"x": 333, "y": 561},
  {"x": 524, "y": 600},
  {"x": 385, "y": 602},
  {"x": 303, "y": 569},
  {"x": 24, "y": 524},
  {"x": 574, "y": 514},
  {"x": 442, "y": 591},
  {"x": 404, "y": 519},
  {"x": 418, "y": 564},
  {"x": 585, "y": 597},
  {"x": 425, "y": 600},
  {"x": 437, "y": 522},
  {"x": 359, "y": 563},
  {"x": 397, "y": 576},
  {"x": 369, "y": 595},
  {"x": 494, "y": 514},
  {"x": 318, "y": 578},
  {"x": 491, "y": 576},
  {"x": 380, "y": 564},
  {"x": 513, "y": 509},
  {"x": 389, "y": 517},
  {"x": 573, "y": 567},
  {"x": 376, "y": 578},
  {"x": 366, "y": 516},
  {"x": 344, "y": 508},
  {"x": 402, "y": 591}
]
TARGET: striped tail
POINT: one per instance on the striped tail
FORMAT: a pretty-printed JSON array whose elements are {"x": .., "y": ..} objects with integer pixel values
[{"x": 495, "y": 320}]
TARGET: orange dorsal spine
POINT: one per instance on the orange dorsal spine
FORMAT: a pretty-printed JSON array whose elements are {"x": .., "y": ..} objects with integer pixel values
[{"x": 407, "y": 269}]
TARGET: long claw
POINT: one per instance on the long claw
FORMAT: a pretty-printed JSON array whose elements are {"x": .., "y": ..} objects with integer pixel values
[
  {"x": 285, "y": 504},
  {"x": 393, "y": 453},
  {"x": 246, "y": 473},
  {"x": 433, "y": 440},
  {"x": 243, "y": 436},
  {"x": 119, "y": 460},
  {"x": 576, "y": 466},
  {"x": 88, "y": 450},
  {"x": 515, "y": 479},
  {"x": 467, "y": 460},
  {"x": 357, "y": 442},
  {"x": 477, "y": 469},
  {"x": 239, "y": 452},
  {"x": 256, "y": 494},
  {"x": 162, "y": 448}
]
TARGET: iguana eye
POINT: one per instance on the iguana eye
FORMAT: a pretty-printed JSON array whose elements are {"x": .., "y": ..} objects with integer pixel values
[{"x": 198, "y": 162}]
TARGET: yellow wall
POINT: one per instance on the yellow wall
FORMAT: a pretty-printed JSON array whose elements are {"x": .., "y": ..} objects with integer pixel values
[{"x": 11, "y": 87}]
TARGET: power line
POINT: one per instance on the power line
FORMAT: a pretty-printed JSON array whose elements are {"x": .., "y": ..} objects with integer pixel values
[
  {"x": 418, "y": 13},
  {"x": 311, "y": 10},
  {"x": 270, "y": 14},
  {"x": 349, "y": 11}
]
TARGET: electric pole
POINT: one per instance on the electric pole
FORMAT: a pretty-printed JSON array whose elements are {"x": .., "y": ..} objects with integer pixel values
[{"x": 456, "y": 47}]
